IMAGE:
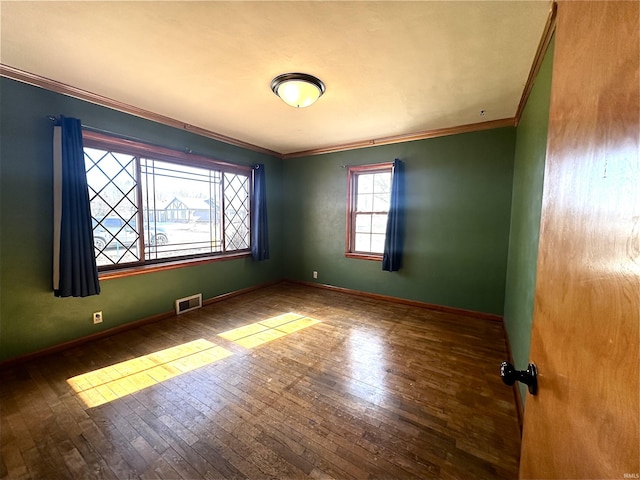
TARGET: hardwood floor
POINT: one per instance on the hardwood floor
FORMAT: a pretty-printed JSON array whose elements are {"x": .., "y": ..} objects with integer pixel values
[{"x": 373, "y": 389}]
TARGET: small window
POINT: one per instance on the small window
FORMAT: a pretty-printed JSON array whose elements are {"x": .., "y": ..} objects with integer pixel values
[
  {"x": 153, "y": 205},
  {"x": 368, "y": 197}
]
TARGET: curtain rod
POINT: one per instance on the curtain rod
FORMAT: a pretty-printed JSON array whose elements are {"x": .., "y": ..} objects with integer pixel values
[{"x": 55, "y": 119}]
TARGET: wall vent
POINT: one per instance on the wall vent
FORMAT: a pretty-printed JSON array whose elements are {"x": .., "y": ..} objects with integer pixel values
[{"x": 187, "y": 304}]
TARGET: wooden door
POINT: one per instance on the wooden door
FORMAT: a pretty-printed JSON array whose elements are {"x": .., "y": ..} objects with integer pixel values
[{"x": 584, "y": 422}]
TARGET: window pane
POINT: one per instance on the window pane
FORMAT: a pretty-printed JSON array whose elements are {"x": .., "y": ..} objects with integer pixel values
[
  {"x": 382, "y": 192},
  {"x": 365, "y": 183},
  {"x": 181, "y": 214},
  {"x": 379, "y": 224},
  {"x": 381, "y": 202},
  {"x": 382, "y": 182},
  {"x": 377, "y": 243},
  {"x": 112, "y": 186},
  {"x": 96, "y": 178},
  {"x": 364, "y": 202},
  {"x": 363, "y": 223},
  {"x": 363, "y": 242},
  {"x": 236, "y": 211},
  {"x": 373, "y": 191}
]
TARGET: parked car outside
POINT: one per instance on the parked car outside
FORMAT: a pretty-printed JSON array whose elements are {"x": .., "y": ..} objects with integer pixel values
[{"x": 112, "y": 232}]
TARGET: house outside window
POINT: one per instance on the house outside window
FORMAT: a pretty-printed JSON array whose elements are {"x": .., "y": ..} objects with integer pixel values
[
  {"x": 368, "y": 199},
  {"x": 151, "y": 205}
]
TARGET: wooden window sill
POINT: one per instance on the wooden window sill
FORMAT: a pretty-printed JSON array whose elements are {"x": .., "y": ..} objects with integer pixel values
[
  {"x": 158, "y": 267},
  {"x": 364, "y": 256}
]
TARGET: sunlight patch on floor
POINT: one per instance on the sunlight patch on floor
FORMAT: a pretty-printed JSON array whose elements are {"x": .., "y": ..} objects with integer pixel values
[
  {"x": 116, "y": 381},
  {"x": 255, "y": 334}
]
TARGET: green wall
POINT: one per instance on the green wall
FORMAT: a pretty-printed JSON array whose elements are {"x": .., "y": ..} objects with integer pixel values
[
  {"x": 531, "y": 146},
  {"x": 458, "y": 211},
  {"x": 31, "y": 318}
]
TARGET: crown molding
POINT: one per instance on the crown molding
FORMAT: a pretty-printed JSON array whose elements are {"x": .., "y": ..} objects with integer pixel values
[{"x": 438, "y": 132}]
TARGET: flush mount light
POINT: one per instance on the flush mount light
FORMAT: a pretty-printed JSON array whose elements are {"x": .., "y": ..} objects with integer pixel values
[{"x": 298, "y": 89}]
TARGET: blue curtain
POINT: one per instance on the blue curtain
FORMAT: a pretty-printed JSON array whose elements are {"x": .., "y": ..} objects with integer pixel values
[
  {"x": 394, "y": 239},
  {"x": 259, "y": 226},
  {"x": 75, "y": 273}
]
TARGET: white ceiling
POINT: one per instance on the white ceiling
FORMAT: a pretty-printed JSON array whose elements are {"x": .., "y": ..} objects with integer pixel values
[{"x": 390, "y": 68}]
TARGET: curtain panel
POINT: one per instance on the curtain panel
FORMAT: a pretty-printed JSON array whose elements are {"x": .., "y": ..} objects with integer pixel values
[
  {"x": 394, "y": 238},
  {"x": 259, "y": 224},
  {"x": 75, "y": 273}
]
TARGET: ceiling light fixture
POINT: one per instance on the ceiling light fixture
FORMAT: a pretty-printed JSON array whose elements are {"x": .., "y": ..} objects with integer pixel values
[{"x": 297, "y": 89}]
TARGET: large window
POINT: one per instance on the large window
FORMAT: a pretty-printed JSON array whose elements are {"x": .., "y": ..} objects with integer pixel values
[
  {"x": 368, "y": 197},
  {"x": 153, "y": 205}
]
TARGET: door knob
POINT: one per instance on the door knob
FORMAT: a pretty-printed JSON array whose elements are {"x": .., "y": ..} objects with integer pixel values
[{"x": 529, "y": 377}]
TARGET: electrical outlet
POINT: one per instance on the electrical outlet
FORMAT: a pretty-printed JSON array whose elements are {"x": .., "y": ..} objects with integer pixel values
[
  {"x": 97, "y": 317},
  {"x": 315, "y": 274}
]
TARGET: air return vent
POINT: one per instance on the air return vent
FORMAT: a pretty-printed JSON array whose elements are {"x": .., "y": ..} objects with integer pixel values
[{"x": 188, "y": 303}]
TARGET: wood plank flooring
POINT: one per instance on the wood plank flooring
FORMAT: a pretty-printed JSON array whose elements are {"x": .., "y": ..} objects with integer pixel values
[{"x": 372, "y": 390}]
